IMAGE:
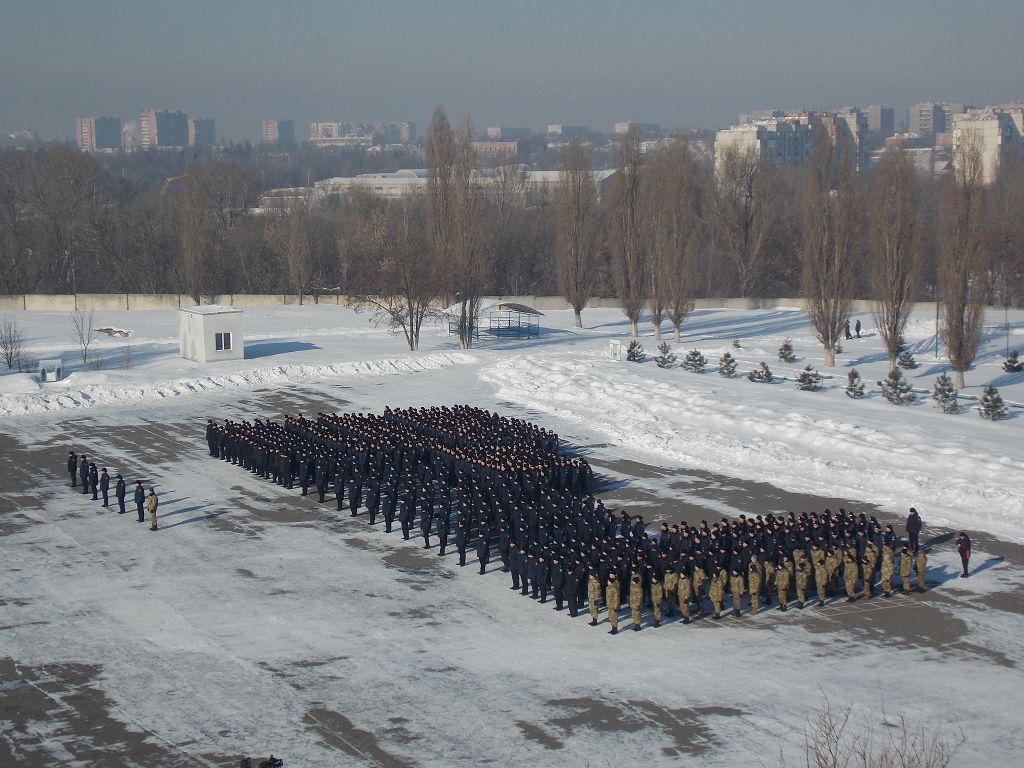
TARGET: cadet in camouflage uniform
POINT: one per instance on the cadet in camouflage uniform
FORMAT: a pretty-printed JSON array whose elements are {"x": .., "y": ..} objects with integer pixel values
[
  {"x": 800, "y": 579},
  {"x": 922, "y": 564},
  {"x": 867, "y": 574},
  {"x": 593, "y": 596},
  {"x": 636, "y": 600},
  {"x": 700, "y": 577},
  {"x": 754, "y": 584},
  {"x": 657, "y": 595},
  {"x": 850, "y": 574},
  {"x": 782, "y": 579},
  {"x": 906, "y": 568},
  {"x": 717, "y": 591},
  {"x": 769, "y": 578},
  {"x": 821, "y": 579},
  {"x": 684, "y": 591},
  {"x": 887, "y": 571},
  {"x": 671, "y": 590},
  {"x": 736, "y": 585},
  {"x": 611, "y": 600},
  {"x": 832, "y": 562}
]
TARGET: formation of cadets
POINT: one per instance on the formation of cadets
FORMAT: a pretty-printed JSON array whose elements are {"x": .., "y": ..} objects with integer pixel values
[
  {"x": 499, "y": 485},
  {"x": 97, "y": 482}
]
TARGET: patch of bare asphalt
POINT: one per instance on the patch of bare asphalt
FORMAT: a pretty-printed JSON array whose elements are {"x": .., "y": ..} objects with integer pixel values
[
  {"x": 337, "y": 731},
  {"x": 686, "y": 730},
  {"x": 61, "y": 703}
]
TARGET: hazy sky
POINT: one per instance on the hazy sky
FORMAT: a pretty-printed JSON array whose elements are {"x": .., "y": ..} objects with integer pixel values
[{"x": 515, "y": 62}]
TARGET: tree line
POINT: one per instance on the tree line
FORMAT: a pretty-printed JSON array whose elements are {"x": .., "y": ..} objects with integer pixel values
[{"x": 663, "y": 230}]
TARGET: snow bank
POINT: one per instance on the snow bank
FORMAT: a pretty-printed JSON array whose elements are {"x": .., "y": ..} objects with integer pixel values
[
  {"x": 85, "y": 390},
  {"x": 958, "y": 468}
]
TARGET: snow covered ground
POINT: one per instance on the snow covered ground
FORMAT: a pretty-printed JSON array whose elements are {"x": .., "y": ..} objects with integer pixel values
[
  {"x": 257, "y": 621},
  {"x": 966, "y": 470}
]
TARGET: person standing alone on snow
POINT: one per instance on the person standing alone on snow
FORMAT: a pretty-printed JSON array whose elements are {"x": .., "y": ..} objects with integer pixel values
[
  {"x": 963, "y": 546},
  {"x": 914, "y": 529}
]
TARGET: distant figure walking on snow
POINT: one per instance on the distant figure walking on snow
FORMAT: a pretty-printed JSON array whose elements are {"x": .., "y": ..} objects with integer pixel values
[
  {"x": 846, "y": 330},
  {"x": 857, "y": 328}
]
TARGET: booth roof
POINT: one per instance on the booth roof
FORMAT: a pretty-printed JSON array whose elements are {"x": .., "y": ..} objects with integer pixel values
[{"x": 209, "y": 309}]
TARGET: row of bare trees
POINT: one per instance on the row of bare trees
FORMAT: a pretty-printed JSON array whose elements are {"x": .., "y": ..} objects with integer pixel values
[{"x": 661, "y": 231}]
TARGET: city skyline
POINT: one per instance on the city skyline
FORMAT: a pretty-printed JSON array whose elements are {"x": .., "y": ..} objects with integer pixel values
[{"x": 594, "y": 64}]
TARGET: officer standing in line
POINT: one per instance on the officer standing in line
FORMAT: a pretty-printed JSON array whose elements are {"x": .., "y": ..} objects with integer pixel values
[
  {"x": 152, "y": 502},
  {"x": 119, "y": 492},
  {"x": 105, "y": 486},
  {"x": 593, "y": 595},
  {"x": 73, "y": 468},
  {"x": 83, "y": 472},
  {"x": 94, "y": 481},
  {"x": 140, "y": 499}
]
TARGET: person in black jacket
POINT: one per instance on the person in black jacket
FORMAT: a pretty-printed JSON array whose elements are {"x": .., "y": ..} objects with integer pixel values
[
  {"x": 73, "y": 468},
  {"x": 461, "y": 539},
  {"x": 105, "y": 486},
  {"x": 483, "y": 551},
  {"x": 119, "y": 492},
  {"x": 140, "y": 500},
  {"x": 83, "y": 472},
  {"x": 94, "y": 481},
  {"x": 963, "y": 546},
  {"x": 914, "y": 529}
]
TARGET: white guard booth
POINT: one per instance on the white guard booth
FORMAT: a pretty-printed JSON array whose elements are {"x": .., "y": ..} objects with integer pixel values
[{"x": 210, "y": 333}]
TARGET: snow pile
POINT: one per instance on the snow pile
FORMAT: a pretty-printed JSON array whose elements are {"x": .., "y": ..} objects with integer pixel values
[
  {"x": 90, "y": 390},
  {"x": 956, "y": 467}
]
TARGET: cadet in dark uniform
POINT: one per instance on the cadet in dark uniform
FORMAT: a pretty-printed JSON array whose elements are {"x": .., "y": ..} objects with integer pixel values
[
  {"x": 105, "y": 486},
  {"x": 914, "y": 529},
  {"x": 483, "y": 551},
  {"x": 461, "y": 539},
  {"x": 73, "y": 468},
  {"x": 83, "y": 472},
  {"x": 119, "y": 492},
  {"x": 94, "y": 481},
  {"x": 140, "y": 500},
  {"x": 963, "y": 546}
]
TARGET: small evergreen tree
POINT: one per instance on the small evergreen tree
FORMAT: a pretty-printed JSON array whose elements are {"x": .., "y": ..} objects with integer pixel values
[
  {"x": 809, "y": 380},
  {"x": 786, "y": 353},
  {"x": 635, "y": 353},
  {"x": 1012, "y": 364},
  {"x": 727, "y": 366},
  {"x": 762, "y": 375},
  {"x": 854, "y": 385},
  {"x": 695, "y": 361},
  {"x": 736, "y": 343},
  {"x": 665, "y": 357},
  {"x": 945, "y": 395},
  {"x": 907, "y": 361},
  {"x": 992, "y": 405},
  {"x": 896, "y": 389}
]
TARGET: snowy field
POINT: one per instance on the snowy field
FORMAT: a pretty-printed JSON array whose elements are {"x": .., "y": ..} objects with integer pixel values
[{"x": 258, "y": 621}]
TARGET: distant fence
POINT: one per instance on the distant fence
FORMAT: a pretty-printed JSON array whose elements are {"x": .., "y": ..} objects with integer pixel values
[{"x": 129, "y": 301}]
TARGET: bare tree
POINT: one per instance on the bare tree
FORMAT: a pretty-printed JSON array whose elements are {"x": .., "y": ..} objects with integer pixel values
[
  {"x": 834, "y": 738},
  {"x": 628, "y": 236},
  {"x": 82, "y": 323},
  {"x": 962, "y": 259},
  {"x": 192, "y": 235},
  {"x": 399, "y": 281},
  {"x": 468, "y": 254},
  {"x": 288, "y": 236},
  {"x": 677, "y": 237},
  {"x": 895, "y": 261},
  {"x": 575, "y": 203},
  {"x": 440, "y": 157},
  {"x": 829, "y": 235},
  {"x": 12, "y": 341},
  {"x": 744, "y": 211}
]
